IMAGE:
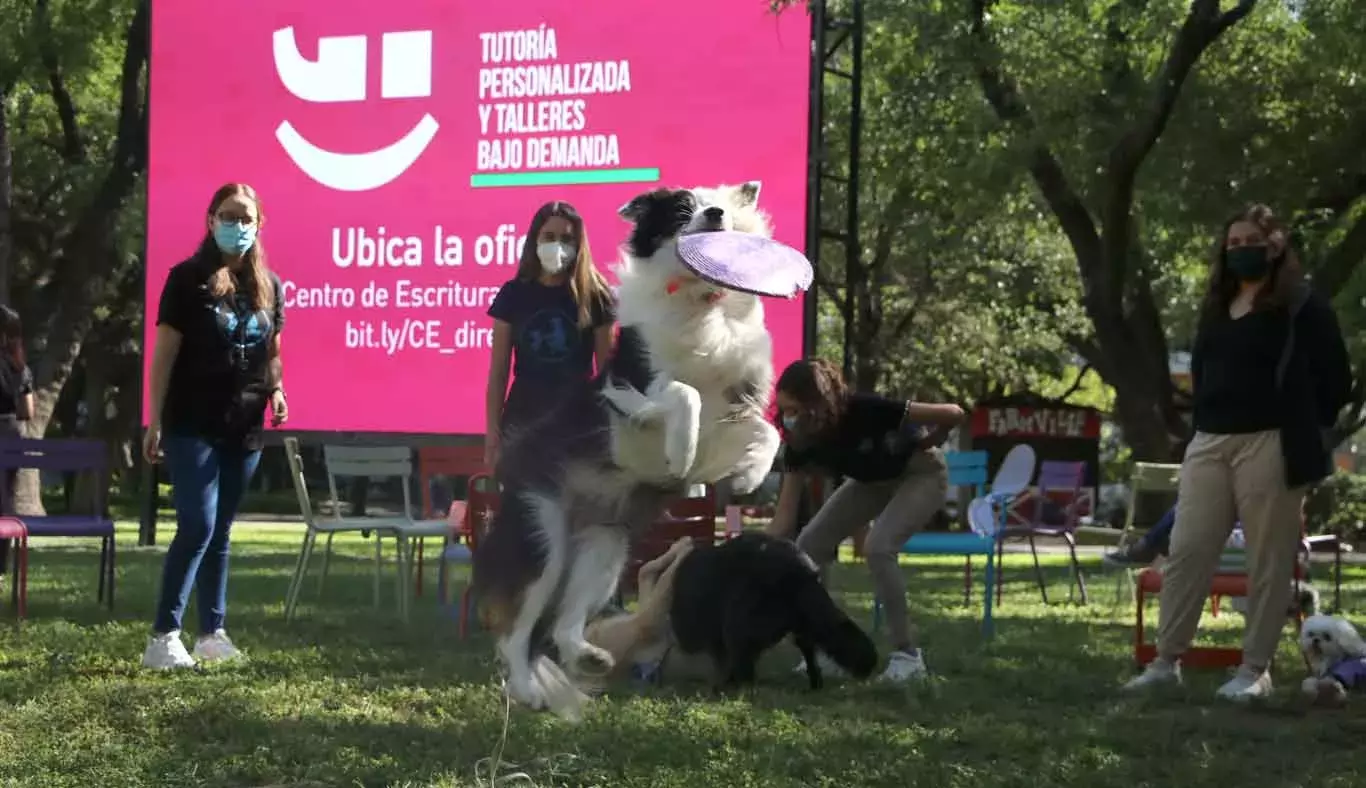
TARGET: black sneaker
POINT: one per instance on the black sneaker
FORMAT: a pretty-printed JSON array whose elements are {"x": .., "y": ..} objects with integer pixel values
[{"x": 1137, "y": 554}]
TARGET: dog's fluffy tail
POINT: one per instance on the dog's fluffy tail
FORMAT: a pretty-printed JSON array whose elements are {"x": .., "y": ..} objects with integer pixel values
[{"x": 834, "y": 633}]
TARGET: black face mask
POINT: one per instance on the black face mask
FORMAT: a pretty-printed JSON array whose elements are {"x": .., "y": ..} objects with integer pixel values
[{"x": 1248, "y": 263}]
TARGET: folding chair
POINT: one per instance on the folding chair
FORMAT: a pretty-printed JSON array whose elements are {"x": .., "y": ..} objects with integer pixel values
[
  {"x": 331, "y": 527},
  {"x": 693, "y": 516},
  {"x": 969, "y": 469},
  {"x": 1054, "y": 477},
  {"x": 436, "y": 462},
  {"x": 476, "y": 517}
]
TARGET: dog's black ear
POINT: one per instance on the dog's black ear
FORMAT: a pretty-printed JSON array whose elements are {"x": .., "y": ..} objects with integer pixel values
[
  {"x": 633, "y": 210},
  {"x": 749, "y": 192}
]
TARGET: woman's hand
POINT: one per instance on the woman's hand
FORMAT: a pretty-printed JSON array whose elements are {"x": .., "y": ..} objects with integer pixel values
[
  {"x": 936, "y": 437},
  {"x": 946, "y": 413},
  {"x": 151, "y": 443},
  {"x": 279, "y": 408},
  {"x": 491, "y": 446}
]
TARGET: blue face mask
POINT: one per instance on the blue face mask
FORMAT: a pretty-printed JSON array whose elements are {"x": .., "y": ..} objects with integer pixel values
[
  {"x": 234, "y": 237},
  {"x": 789, "y": 422}
]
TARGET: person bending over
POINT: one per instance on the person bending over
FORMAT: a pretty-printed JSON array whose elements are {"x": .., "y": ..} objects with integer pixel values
[{"x": 895, "y": 476}]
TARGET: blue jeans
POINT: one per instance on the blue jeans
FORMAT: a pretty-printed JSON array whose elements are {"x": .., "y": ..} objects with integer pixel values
[{"x": 207, "y": 483}]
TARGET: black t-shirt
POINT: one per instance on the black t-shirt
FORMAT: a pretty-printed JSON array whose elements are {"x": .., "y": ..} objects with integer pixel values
[
  {"x": 1235, "y": 387},
  {"x": 220, "y": 381},
  {"x": 548, "y": 346},
  {"x": 872, "y": 442},
  {"x": 16, "y": 382}
]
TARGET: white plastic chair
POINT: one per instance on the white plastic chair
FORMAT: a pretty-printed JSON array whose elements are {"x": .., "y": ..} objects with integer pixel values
[
  {"x": 1012, "y": 479},
  {"x": 331, "y": 527},
  {"x": 380, "y": 462}
]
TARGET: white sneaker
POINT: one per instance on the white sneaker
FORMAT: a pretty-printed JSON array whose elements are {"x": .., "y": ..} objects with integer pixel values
[
  {"x": 829, "y": 668},
  {"x": 1158, "y": 673},
  {"x": 905, "y": 666},
  {"x": 1247, "y": 684},
  {"x": 166, "y": 652},
  {"x": 215, "y": 648}
]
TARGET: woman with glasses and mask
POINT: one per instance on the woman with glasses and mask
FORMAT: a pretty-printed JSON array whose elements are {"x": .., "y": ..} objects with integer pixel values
[
  {"x": 551, "y": 322},
  {"x": 215, "y": 369},
  {"x": 1270, "y": 374}
]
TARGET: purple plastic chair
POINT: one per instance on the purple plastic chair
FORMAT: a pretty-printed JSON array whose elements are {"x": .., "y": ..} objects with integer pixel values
[
  {"x": 68, "y": 456},
  {"x": 1059, "y": 523}
]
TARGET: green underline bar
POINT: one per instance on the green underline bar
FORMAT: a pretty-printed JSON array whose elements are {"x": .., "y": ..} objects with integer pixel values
[{"x": 486, "y": 180}]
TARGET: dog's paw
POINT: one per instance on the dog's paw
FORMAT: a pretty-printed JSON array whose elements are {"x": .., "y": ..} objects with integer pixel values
[
  {"x": 1324, "y": 691},
  {"x": 679, "y": 456},
  {"x": 592, "y": 662},
  {"x": 527, "y": 692},
  {"x": 747, "y": 480}
]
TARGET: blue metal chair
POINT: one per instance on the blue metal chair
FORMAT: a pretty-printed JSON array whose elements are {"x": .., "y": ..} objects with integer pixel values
[{"x": 966, "y": 469}]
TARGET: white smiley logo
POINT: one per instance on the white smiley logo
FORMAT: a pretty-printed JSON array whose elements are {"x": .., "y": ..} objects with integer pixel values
[{"x": 338, "y": 75}]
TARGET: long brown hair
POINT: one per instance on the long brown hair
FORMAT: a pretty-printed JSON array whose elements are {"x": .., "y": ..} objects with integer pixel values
[
  {"x": 256, "y": 279},
  {"x": 1283, "y": 278},
  {"x": 586, "y": 283},
  {"x": 819, "y": 388},
  {"x": 12, "y": 338}
]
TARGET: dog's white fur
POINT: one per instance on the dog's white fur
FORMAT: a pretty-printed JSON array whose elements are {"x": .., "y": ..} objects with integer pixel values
[
  {"x": 698, "y": 355},
  {"x": 1326, "y": 641},
  {"x": 686, "y": 427}
]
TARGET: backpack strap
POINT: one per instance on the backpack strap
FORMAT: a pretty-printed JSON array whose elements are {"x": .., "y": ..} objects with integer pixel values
[{"x": 1297, "y": 302}]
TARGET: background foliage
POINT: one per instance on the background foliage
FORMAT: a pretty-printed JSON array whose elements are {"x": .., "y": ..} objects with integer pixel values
[{"x": 1041, "y": 182}]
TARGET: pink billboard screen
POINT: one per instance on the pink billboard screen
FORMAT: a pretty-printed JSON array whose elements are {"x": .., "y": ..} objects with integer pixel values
[{"x": 400, "y": 149}]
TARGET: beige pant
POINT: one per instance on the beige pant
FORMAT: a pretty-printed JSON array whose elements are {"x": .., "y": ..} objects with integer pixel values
[
  {"x": 898, "y": 508},
  {"x": 1226, "y": 478}
]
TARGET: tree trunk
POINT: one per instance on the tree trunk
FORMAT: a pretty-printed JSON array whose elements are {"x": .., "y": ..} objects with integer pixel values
[
  {"x": 97, "y": 377},
  {"x": 6, "y": 197},
  {"x": 83, "y": 257}
]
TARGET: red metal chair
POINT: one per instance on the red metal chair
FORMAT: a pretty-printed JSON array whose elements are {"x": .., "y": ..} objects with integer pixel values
[
  {"x": 480, "y": 507},
  {"x": 450, "y": 462},
  {"x": 1226, "y": 583},
  {"x": 694, "y": 517},
  {"x": 12, "y": 529}
]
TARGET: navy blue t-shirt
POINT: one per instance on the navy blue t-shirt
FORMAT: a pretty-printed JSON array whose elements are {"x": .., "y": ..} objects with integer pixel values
[
  {"x": 871, "y": 443},
  {"x": 547, "y": 343},
  {"x": 548, "y": 347}
]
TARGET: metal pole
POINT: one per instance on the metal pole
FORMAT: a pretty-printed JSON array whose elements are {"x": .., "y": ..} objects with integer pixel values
[
  {"x": 815, "y": 165},
  {"x": 852, "y": 247}
]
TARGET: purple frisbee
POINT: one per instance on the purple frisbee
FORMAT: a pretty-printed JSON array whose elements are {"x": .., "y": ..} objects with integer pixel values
[{"x": 746, "y": 262}]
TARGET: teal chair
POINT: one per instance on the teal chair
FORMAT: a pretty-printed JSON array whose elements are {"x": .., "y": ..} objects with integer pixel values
[{"x": 969, "y": 469}]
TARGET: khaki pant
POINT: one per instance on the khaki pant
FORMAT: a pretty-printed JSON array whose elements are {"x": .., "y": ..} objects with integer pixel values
[
  {"x": 1226, "y": 478},
  {"x": 898, "y": 508}
]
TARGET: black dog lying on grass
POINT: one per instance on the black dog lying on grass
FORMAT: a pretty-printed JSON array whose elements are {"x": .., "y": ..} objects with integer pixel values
[{"x": 739, "y": 598}]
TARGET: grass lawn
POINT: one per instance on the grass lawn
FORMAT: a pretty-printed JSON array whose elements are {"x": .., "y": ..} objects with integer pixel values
[{"x": 348, "y": 697}]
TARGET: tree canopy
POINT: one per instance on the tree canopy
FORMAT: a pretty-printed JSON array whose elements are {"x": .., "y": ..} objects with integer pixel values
[{"x": 1043, "y": 183}]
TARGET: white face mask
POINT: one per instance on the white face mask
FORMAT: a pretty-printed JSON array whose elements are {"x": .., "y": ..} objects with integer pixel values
[{"x": 555, "y": 256}]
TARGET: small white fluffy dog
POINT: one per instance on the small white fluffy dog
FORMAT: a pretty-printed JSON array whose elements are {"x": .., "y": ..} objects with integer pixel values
[{"x": 1336, "y": 655}]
